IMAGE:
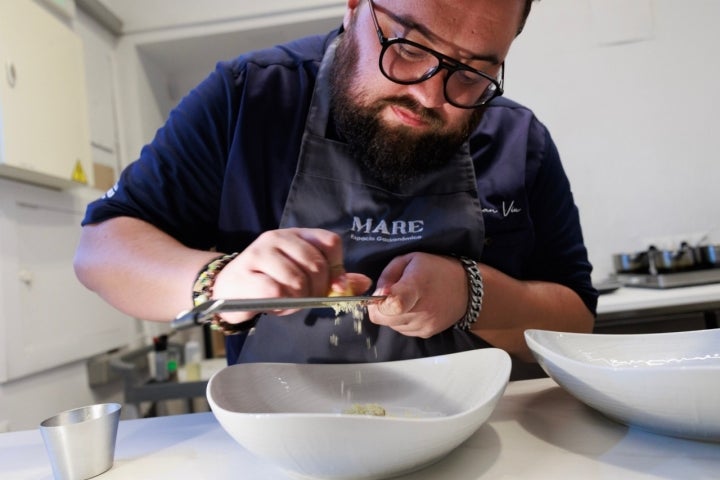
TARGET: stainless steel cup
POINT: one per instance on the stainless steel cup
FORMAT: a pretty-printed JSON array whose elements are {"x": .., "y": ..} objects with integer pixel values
[{"x": 81, "y": 442}]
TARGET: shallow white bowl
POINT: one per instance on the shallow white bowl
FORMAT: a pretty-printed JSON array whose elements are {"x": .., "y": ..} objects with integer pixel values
[
  {"x": 667, "y": 383},
  {"x": 292, "y": 415}
]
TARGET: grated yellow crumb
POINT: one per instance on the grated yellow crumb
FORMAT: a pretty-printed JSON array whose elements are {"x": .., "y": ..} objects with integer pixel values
[{"x": 373, "y": 409}]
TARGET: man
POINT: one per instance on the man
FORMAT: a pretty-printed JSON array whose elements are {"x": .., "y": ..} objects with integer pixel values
[{"x": 380, "y": 150}]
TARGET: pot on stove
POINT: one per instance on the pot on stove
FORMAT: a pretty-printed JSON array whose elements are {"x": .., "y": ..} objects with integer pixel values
[
  {"x": 666, "y": 261},
  {"x": 707, "y": 256},
  {"x": 631, "y": 262}
]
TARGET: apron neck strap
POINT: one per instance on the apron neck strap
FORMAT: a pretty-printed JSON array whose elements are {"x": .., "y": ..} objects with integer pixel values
[{"x": 319, "y": 112}]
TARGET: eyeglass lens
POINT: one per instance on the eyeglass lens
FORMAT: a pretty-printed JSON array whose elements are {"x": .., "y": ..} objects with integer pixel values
[{"x": 406, "y": 63}]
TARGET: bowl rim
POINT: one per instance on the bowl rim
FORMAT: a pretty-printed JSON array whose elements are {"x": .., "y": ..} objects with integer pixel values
[
  {"x": 498, "y": 379},
  {"x": 540, "y": 350}
]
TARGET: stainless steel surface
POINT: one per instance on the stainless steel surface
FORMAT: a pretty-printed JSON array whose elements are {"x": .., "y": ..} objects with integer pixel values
[
  {"x": 631, "y": 262},
  {"x": 670, "y": 280},
  {"x": 671, "y": 261},
  {"x": 81, "y": 442},
  {"x": 708, "y": 255},
  {"x": 203, "y": 313}
]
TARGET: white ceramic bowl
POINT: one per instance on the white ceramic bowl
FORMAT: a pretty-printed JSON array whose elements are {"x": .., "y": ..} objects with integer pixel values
[
  {"x": 667, "y": 383},
  {"x": 293, "y": 415}
]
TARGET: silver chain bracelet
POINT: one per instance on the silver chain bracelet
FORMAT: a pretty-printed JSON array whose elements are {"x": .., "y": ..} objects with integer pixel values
[{"x": 475, "y": 293}]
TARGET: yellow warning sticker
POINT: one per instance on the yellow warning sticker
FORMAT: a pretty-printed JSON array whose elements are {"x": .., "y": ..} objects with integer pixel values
[{"x": 78, "y": 174}]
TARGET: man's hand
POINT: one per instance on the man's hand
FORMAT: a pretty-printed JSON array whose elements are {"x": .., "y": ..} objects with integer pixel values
[
  {"x": 426, "y": 294},
  {"x": 291, "y": 262}
]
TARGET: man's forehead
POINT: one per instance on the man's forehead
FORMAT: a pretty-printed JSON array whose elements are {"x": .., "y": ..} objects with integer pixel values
[{"x": 475, "y": 32}]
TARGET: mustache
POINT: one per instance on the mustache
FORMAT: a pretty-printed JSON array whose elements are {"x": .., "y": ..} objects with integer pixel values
[{"x": 428, "y": 115}]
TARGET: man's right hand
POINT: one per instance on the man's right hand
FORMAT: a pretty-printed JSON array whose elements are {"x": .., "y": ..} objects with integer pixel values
[{"x": 290, "y": 262}]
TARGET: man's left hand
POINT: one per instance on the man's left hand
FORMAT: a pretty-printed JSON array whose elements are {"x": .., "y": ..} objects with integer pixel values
[{"x": 426, "y": 294}]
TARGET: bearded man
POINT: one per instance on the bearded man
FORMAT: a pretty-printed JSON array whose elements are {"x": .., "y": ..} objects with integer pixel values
[{"x": 380, "y": 157}]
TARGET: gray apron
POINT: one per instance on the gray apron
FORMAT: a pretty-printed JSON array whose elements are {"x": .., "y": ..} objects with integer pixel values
[{"x": 438, "y": 213}]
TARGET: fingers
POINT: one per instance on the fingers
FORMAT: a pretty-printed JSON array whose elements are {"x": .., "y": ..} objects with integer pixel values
[
  {"x": 401, "y": 295},
  {"x": 419, "y": 287},
  {"x": 392, "y": 274},
  {"x": 326, "y": 242},
  {"x": 291, "y": 262},
  {"x": 400, "y": 299},
  {"x": 299, "y": 260},
  {"x": 339, "y": 285},
  {"x": 280, "y": 263},
  {"x": 358, "y": 283},
  {"x": 411, "y": 324}
]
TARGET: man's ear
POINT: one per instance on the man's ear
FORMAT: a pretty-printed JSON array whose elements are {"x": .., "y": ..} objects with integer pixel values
[{"x": 352, "y": 6}]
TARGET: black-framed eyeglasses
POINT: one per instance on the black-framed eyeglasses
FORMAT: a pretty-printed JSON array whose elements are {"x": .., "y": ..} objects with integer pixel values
[{"x": 406, "y": 62}]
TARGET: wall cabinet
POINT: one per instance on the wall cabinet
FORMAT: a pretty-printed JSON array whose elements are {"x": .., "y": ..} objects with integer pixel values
[
  {"x": 44, "y": 132},
  {"x": 47, "y": 318}
]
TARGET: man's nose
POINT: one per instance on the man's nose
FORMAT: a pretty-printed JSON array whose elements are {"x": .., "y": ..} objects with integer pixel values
[{"x": 431, "y": 92}]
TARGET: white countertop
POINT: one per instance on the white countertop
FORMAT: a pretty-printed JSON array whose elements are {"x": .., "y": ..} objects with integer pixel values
[
  {"x": 637, "y": 298},
  {"x": 537, "y": 431}
]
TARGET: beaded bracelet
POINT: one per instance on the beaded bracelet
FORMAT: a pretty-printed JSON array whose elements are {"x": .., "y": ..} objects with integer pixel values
[
  {"x": 203, "y": 290},
  {"x": 475, "y": 297}
]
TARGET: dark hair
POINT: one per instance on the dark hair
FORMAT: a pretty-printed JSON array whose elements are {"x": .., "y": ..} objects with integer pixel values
[{"x": 526, "y": 12}]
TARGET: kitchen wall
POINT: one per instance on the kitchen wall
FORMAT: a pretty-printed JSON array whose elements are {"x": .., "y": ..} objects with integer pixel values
[{"x": 628, "y": 89}]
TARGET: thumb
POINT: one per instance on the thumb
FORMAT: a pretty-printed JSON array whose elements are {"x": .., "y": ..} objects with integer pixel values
[
  {"x": 401, "y": 293},
  {"x": 392, "y": 274}
]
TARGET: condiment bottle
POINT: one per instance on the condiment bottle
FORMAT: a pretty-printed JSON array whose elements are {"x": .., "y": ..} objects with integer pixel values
[
  {"x": 161, "y": 359},
  {"x": 192, "y": 360}
]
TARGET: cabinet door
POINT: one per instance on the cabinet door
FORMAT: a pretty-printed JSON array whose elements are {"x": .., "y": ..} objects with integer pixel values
[
  {"x": 47, "y": 318},
  {"x": 43, "y": 107}
]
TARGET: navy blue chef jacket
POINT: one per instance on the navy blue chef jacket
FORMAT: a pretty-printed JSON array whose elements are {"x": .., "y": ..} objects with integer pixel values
[{"x": 218, "y": 173}]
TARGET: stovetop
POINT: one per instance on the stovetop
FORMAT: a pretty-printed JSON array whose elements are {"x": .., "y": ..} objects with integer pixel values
[
  {"x": 670, "y": 280},
  {"x": 660, "y": 268}
]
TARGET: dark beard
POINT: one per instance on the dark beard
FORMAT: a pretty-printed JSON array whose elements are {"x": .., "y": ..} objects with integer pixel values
[{"x": 393, "y": 156}]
